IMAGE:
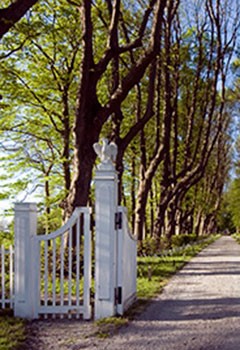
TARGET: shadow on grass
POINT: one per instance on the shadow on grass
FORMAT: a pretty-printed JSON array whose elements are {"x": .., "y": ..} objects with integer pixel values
[{"x": 16, "y": 333}]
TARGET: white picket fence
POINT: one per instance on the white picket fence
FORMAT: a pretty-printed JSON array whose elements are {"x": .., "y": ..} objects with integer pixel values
[
  {"x": 6, "y": 277},
  {"x": 52, "y": 274}
]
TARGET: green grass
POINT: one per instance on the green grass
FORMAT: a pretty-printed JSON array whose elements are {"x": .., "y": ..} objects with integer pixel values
[
  {"x": 236, "y": 236},
  {"x": 108, "y": 326},
  {"x": 155, "y": 271},
  {"x": 12, "y": 332}
]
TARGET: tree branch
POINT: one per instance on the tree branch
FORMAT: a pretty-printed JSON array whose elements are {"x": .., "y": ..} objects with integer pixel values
[
  {"x": 13, "y": 13},
  {"x": 138, "y": 70},
  {"x": 100, "y": 67}
]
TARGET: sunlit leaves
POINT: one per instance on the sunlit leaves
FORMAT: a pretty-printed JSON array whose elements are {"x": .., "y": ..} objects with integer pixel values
[{"x": 39, "y": 86}]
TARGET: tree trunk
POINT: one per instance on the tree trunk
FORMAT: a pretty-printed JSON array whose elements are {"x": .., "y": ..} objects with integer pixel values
[
  {"x": 47, "y": 205},
  {"x": 90, "y": 115},
  {"x": 133, "y": 191}
]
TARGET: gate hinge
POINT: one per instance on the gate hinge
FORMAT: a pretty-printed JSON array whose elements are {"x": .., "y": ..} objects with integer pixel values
[
  {"x": 118, "y": 295},
  {"x": 118, "y": 221}
]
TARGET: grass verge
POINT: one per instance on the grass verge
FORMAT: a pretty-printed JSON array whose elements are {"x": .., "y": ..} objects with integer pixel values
[
  {"x": 236, "y": 236},
  {"x": 154, "y": 271}
]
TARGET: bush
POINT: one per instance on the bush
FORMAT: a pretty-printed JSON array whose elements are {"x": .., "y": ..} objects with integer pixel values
[
  {"x": 147, "y": 247},
  {"x": 183, "y": 239}
]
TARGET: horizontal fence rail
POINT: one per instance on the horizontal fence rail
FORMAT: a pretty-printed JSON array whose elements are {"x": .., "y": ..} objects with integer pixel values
[
  {"x": 64, "y": 268},
  {"x": 6, "y": 277}
]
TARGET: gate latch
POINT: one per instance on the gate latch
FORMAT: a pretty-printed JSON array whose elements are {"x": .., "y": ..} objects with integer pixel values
[
  {"x": 118, "y": 221},
  {"x": 118, "y": 295}
]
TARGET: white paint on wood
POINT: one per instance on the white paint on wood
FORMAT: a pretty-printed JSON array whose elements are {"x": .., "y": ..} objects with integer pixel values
[
  {"x": 115, "y": 259},
  {"x": 105, "y": 253},
  {"x": 127, "y": 264},
  {"x": 45, "y": 273},
  {"x": 6, "y": 277},
  {"x": 87, "y": 267},
  {"x": 62, "y": 271},
  {"x": 70, "y": 269},
  {"x": 54, "y": 273},
  {"x": 25, "y": 225},
  {"x": 78, "y": 233},
  {"x": 67, "y": 302},
  {"x": 3, "y": 275},
  {"x": 11, "y": 256}
]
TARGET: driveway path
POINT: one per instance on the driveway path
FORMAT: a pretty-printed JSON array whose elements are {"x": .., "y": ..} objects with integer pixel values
[{"x": 198, "y": 309}]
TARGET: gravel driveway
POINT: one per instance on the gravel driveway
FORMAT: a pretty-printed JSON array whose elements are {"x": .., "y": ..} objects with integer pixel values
[{"x": 198, "y": 309}]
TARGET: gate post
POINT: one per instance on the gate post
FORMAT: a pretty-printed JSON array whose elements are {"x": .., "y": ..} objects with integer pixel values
[
  {"x": 106, "y": 185},
  {"x": 25, "y": 228}
]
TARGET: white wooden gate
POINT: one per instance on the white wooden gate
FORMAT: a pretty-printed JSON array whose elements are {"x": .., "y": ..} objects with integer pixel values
[
  {"x": 63, "y": 266},
  {"x": 53, "y": 272},
  {"x": 116, "y": 249},
  {"x": 126, "y": 264}
]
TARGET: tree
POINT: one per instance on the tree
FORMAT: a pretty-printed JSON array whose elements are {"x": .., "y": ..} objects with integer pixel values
[
  {"x": 13, "y": 13},
  {"x": 233, "y": 195},
  {"x": 91, "y": 115},
  {"x": 205, "y": 110},
  {"x": 39, "y": 92},
  {"x": 142, "y": 76},
  {"x": 162, "y": 142}
]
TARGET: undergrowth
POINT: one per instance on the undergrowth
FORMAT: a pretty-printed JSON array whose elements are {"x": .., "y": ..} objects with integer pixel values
[{"x": 236, "y": 236}]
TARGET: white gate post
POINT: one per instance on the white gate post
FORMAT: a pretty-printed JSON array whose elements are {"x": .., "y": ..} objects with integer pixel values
[
  {"x": 105, "y": 252},
  {"x": 25, "y": 227}
]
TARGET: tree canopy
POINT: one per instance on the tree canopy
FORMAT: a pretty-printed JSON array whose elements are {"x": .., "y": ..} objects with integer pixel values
[{"x": 151, "y": 76}]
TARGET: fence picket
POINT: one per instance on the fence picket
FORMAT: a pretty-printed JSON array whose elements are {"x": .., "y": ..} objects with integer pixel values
[
  {"x": 11, "y": 275},
  {"x": 3, "y": 275},
  {"x": 62, "y": 273},
  {"x": 77, "y": 263},
  {"x": 70, "y": 269},
  {"x": 54, "y": 272},
  {"x": 87, "y": 266},
  {"x": 45, "y": 274}
]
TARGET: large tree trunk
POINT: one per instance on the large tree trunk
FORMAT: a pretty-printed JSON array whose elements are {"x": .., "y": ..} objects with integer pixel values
[
  {"x": 90, "y": 115},
  {"x": 85, "y": 131}
]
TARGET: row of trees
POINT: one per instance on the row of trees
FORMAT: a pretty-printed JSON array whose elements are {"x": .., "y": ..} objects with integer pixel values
[
  {"x": 230, "y": 220},
  {"x": 149, "y": 75}
]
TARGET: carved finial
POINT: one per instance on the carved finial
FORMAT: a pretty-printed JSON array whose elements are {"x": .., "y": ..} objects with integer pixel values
[{"x": 107, "y": 153}]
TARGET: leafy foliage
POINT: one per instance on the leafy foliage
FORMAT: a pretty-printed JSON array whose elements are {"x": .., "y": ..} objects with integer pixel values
[{"x": 176, "y": 108}]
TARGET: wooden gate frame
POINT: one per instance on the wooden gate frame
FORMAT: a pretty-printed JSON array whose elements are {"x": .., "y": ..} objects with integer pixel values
[{"x": 27, "y": 302}]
